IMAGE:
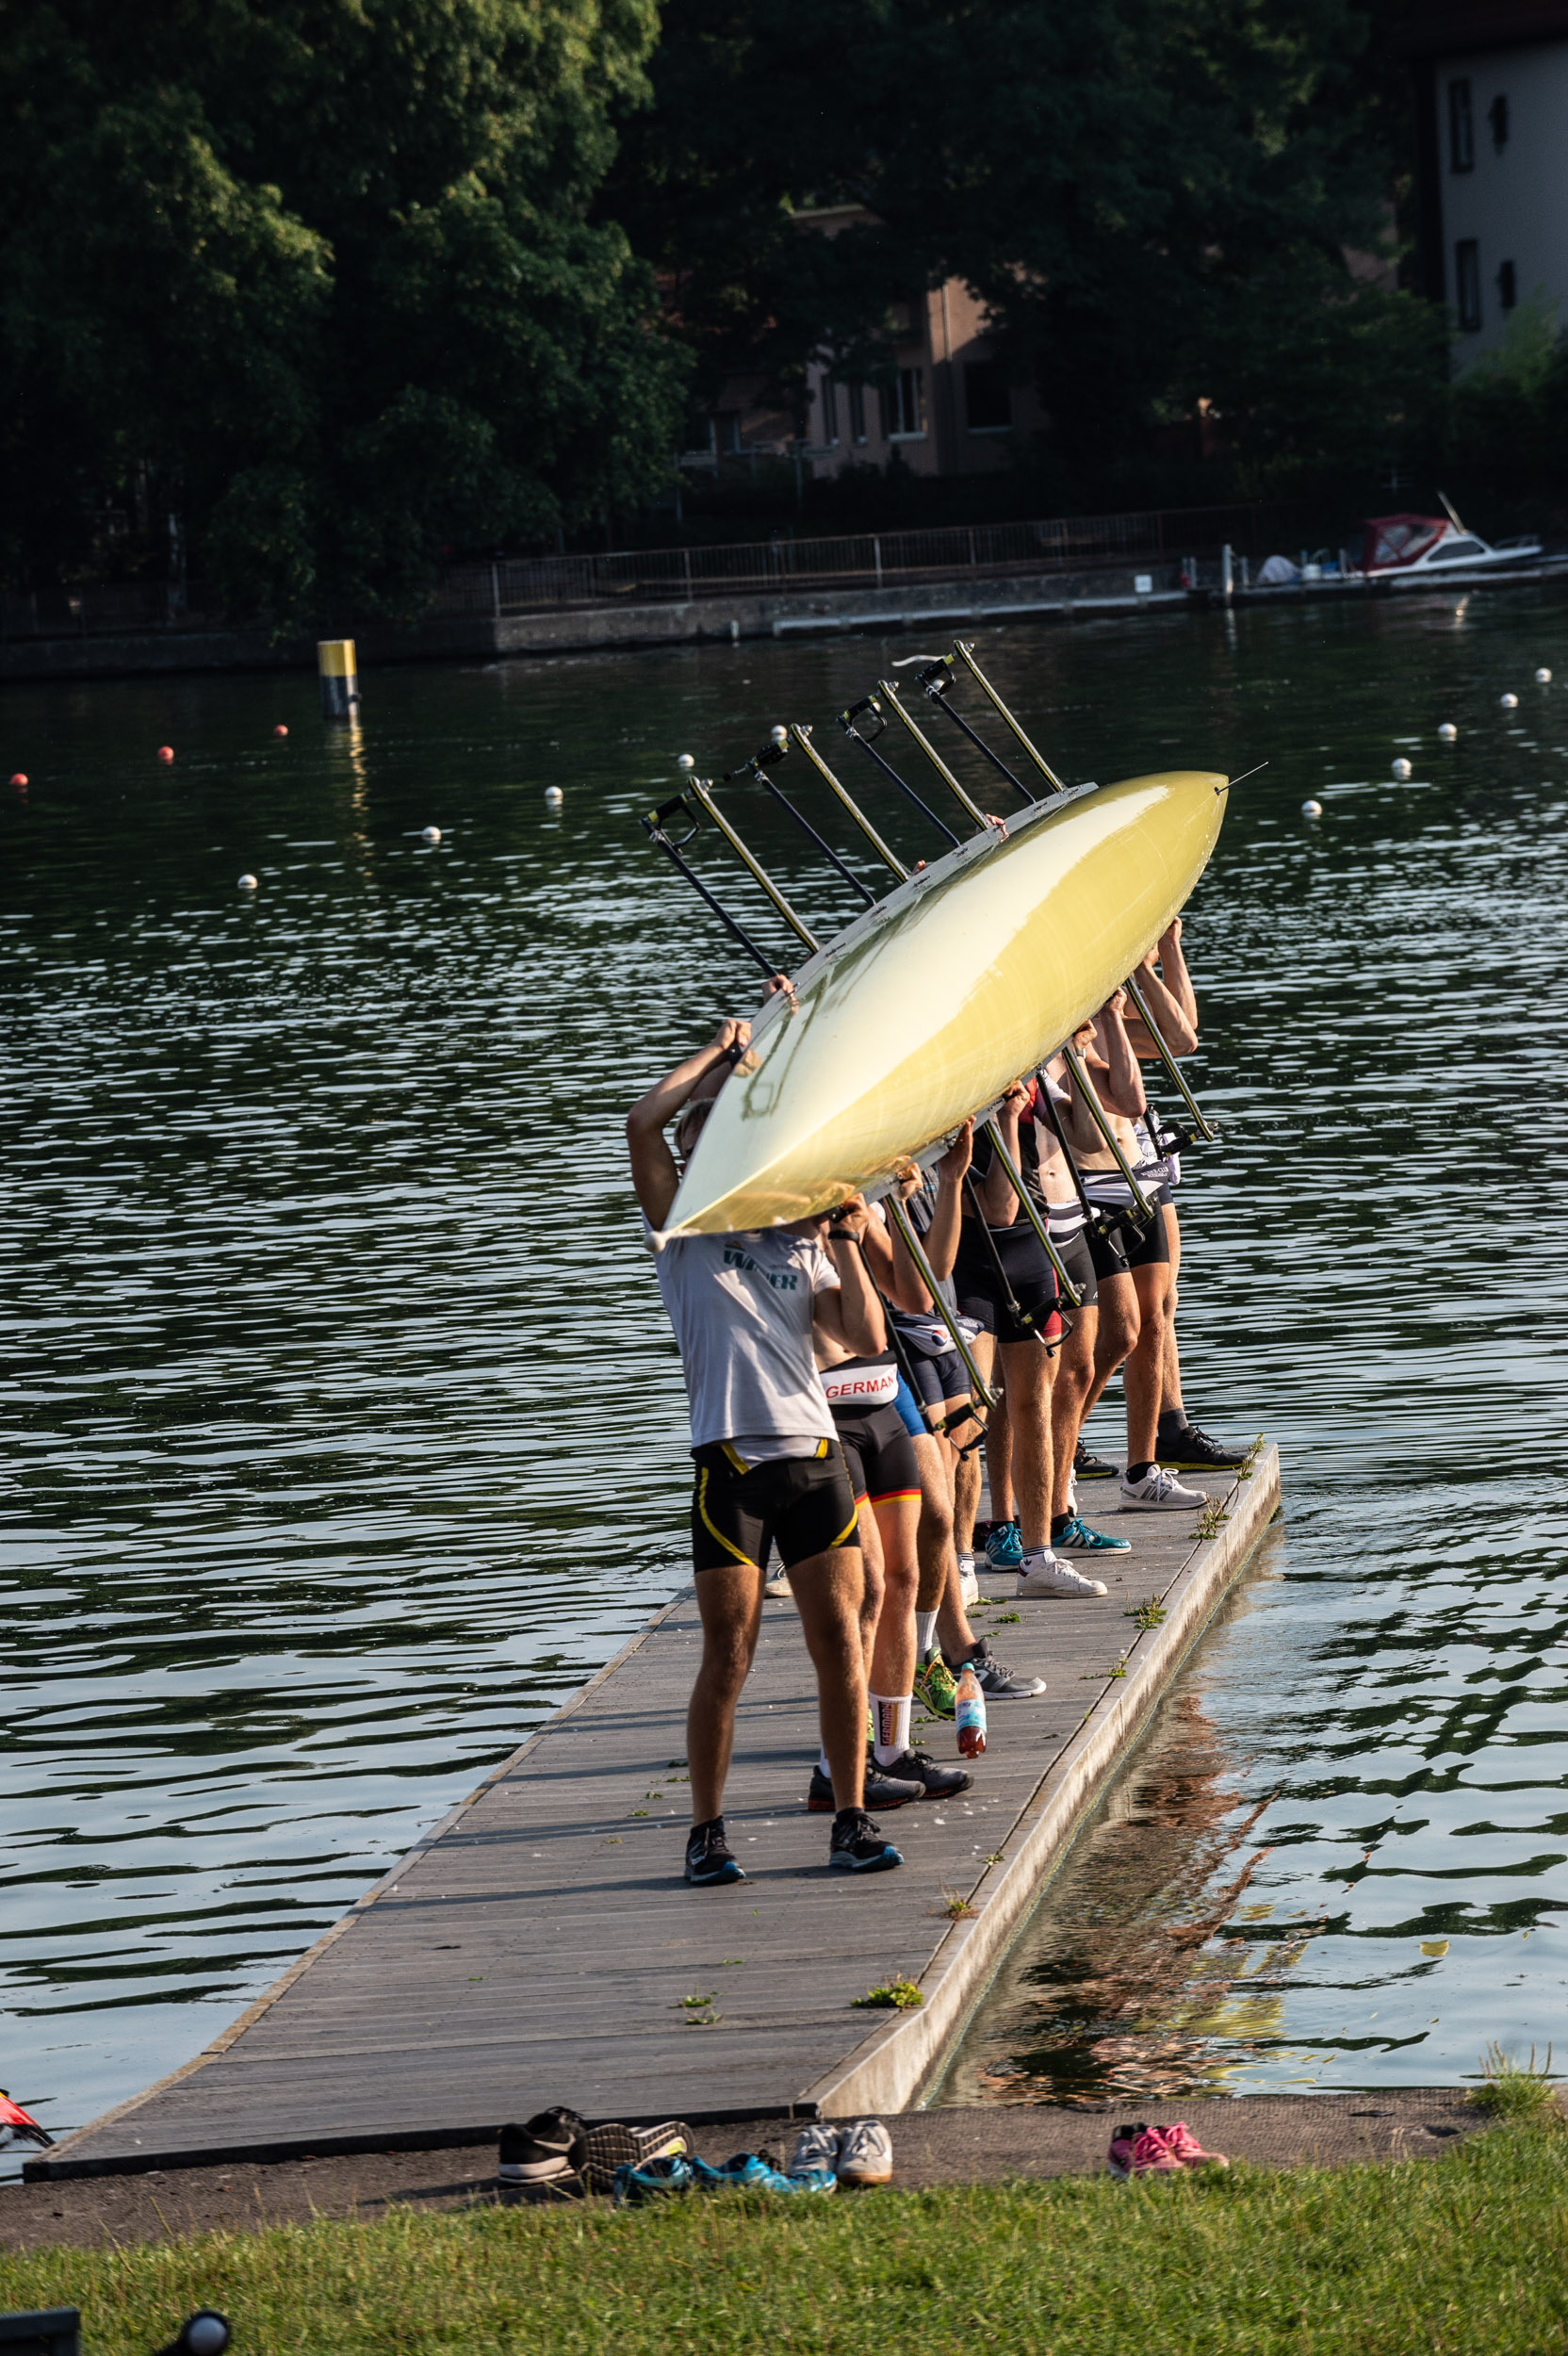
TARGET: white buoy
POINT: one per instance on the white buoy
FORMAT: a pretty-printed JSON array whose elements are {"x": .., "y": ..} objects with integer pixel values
[
  {"x": 1311, "y": 809},
  {"x": 553, "y": 797},
  {"x": 1401, "y": 769},
  {"x": 247, "y": 883},
  {"x": 430, "y": 834},
  {"x": 686, "y": 762},
  {"x": 1447, "y": 733},
  {"x": 1543, "y": 676},
  {"x": 778, "y": 736},
  {"x": 1509, "y": 703}
]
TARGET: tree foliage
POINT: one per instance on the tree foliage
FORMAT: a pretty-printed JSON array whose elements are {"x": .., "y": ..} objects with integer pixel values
[{"x": 325, "y": 272}]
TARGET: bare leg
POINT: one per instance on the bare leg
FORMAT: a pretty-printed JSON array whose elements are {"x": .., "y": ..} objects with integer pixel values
[
  {"x": 999, "y": 1454},
  {"x": 934, "y": 1536},
  {"x": 1140, "y": 1376},
  {"x": 1116, "y": 1334},
  {"x": 966, "y": 1478},
  {"x": 827, "y": 1592},
  {"x": 1028, "y": 1370},
  {"x": 870, "y": 1575},
  {"x": 1069, "y": 1395},
  {"x": 730, "y": 1603},
  {"x": 891, "y": 1658},
  {"x": 1170, "y": 1364}
]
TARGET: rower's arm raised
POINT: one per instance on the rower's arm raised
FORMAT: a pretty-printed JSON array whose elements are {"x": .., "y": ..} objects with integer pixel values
[
  {"x": 1120, "y": 1091},
  {"x": 1171, "y": 997},
  {"x": 655, "y": 1172}
]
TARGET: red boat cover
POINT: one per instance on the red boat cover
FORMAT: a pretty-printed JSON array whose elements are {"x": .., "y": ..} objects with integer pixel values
[{"x": 1399, "y": 540}]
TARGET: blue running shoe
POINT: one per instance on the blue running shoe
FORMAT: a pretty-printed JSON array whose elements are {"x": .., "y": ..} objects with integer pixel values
[
  {"x": 1004, "y": 1547},
  {"x": 1078, "y": 1538},
  {"x": 654, "y": 2181},
  {"x": 708, "y": 1856},
  {"x": 857, "y": 1845}
]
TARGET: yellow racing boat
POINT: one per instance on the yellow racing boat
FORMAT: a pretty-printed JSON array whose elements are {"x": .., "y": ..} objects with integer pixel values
[{"x": 928, "y": 1006}]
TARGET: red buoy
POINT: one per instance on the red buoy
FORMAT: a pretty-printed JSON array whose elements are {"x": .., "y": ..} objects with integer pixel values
[
  {"x": 20, "y": 779},
  {"x": 280, "y": 730},
  {"x": 166, "y": 753}
]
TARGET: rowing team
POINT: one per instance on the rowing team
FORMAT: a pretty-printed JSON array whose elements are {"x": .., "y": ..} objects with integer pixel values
[{"x": 824, "y": 1380}]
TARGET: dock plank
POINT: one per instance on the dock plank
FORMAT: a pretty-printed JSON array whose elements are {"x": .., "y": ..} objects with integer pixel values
[{"x": 538, "y": 1945}]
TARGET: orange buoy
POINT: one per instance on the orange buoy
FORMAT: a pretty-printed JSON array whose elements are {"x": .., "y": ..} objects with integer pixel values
[
  {"x": 20, "y": 779},
  {"x": 166, "y": 753},
  {"x": 280, "y": 730}
]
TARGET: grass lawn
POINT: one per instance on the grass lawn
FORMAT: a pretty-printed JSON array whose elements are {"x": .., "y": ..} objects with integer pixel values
[{"x": 1466, "y": 2253}]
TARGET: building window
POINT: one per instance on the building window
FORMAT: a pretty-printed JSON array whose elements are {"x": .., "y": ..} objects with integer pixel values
[
  {"x": 1468, "y": 282},
  {"x": 856, "y": 413},
  {"x": 904, "y": 404},
  {"x": 829, "y": 392},
  {"x": 1496, "y": 114},
  {"x": 727, "y": 424},
  {"x": 1508, "y": 285},
  {"x": 1462, "y": 128},
  {"x": 987, "y": 398}
]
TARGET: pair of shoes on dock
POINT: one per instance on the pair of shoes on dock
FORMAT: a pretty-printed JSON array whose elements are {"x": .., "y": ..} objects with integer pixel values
[
  {"x": 914, "y": 1775},
  {"x": 1145, "y": 2150},
  {"x": 855, "y": 1846}
]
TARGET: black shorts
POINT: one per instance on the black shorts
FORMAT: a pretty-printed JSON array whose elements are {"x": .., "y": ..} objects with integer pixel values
[
  {"x": 1029, "y": 1272},
  {"x": 1078, "y": 1260},
  {"x": 936, "y": 1378},
  {"x": 879, "y": 1453},
  {"x": 802, "y": 1504},
  {"x": 1114, "y": 1255}
]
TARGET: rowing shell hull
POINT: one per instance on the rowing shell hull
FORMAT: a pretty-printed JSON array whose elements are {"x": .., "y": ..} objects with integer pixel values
[{"x": 927, "y": 1007}]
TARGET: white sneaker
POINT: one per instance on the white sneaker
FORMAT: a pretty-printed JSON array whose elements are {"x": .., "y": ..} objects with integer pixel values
[
  {"x": 969, "y": 1586},
  {"x": 865, "y": 2153},
  {"x": 816, "y": 2146},
  {"x": 1160, "y": 1492},
  {"x": 1047, "y": 1575}
]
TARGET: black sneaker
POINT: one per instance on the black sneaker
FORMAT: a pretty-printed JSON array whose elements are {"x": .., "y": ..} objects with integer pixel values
[
  {"x": 708, "y": 1855},
  {"x": 882, "y": 1789},
  {"x": 919, "y": 1767},
  {"x": 549, "y": 2148},
  {"x": 997, "y": 1681},
  {"x": 1087, "y": 1466},
  {"x": 1191, "y": 1451},
  {"x": 857, "y": 1845}
]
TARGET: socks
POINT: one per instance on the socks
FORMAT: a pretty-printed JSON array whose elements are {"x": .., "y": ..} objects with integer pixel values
[
  {"x": 1172, "y": 1420},
  {"x": 925, "y": 1633},
  {"x": 893, "y": 1713},
  {"x": 1135, "y": 1473},
  {"x": 822, "y": 1762},
  {"x": 1058, "y": 1523},
  {"x": 1035, "y": 1559}
]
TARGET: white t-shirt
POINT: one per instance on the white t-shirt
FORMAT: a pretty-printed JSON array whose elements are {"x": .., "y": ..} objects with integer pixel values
[{"x": 741, "y": 1306}]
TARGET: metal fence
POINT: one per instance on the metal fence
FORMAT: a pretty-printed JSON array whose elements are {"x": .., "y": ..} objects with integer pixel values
[
  {"x": 868, "y": 560},
  {"x": 861, "y": 560}
]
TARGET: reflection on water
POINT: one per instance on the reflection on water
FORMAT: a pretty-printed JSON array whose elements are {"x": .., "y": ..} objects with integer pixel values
[{"x": 344, "y": 1432}]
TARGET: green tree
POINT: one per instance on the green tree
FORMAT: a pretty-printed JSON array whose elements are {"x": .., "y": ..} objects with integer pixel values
[{"x": 327, "y": 268}]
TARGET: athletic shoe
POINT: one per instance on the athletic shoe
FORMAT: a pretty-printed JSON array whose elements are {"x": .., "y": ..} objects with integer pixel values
[
  {"x": 969, "y": 1586},
  {"x": 779, "y": 1587},
  {"x": 997, "y": 1682},
  {"x": 1148, "y": 2156},
  {"x": 1184, "y": 2144},
  {"x": 658, "y": 2178},
  {"x": 816, "y": 2149},
  {"x": 857, "y": 1845},
  {"x": 1003, "y": 1548},
  {"x": 1087, "y": 1466},
  {"x": 549, "y": 2148},
  {"x": 709, "y": 1858},
  {"x": 938, "y": 1783},
  {"x": 865, "y": 2153},
  {"x": 1160, "y": 1492},
  {"x": 882, "y": 1789},
  {"x": 1118, "y": 2160},
  {"x": 746, "y": 2172},
  {"x": 611, "y": 2147},
  {"x": 1078, "y": 1538},
  {"x": 1191, "y": 1451},
  {"x": 933, "y": 1683},
  {"x": 1042, "y": 1575}
]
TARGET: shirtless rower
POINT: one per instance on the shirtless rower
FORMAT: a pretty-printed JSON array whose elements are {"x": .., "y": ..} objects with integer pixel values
[
  {"x": 1181, "y": 1446},
  {"x": 1005, "y": 1281},
  {"x": 766, "y": 1460},
  {"x": 1132, "y": 1268}
]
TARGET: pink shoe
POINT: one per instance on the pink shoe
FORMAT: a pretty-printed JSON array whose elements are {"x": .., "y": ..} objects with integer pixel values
[
  {"x": 1118, "y": 2160},
  {"x": 1185, "y": 2149},
  {"x": 1150, "y": 2156}
]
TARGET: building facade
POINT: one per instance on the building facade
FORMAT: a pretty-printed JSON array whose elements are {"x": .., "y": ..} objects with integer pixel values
[{"x": 1492, "y": 120}]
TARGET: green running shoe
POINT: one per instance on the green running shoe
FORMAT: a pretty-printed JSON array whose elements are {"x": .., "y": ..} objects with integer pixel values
[
  {"x": 1078, "y": 1538},
  {"x": 936, "y": 1686}
]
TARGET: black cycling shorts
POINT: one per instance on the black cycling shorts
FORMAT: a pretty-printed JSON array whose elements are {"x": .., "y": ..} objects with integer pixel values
[
  {"x": 1114, "y": 1255},
  {"x": 936, "y": 1378},
  {"x": 1078, "y": 1260},
  {"x": 878, "y": 1451},
  {"x": 1028, "y": 1272},
  {"x": 802, "y": 1504}
]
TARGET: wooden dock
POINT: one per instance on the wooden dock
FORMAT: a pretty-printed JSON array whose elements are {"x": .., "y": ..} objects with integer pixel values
[{"x": 539, "y": 1945}]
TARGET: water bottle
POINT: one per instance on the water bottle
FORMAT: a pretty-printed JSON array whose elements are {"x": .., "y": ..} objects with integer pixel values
[{"x": 970, "y": 1712}]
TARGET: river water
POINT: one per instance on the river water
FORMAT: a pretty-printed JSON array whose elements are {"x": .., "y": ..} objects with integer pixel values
[{"x": 343, "y": 1432}]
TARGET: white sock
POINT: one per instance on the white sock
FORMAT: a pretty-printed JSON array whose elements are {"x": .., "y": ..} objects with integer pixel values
[
  {"x": 925, "y": 1633},
  {"x": 1037, "y": 1558},
  {"x": 822, "y": 1762},
  {"x": 966, "y": 1561},
  {"x": 893, "y": 1713}
]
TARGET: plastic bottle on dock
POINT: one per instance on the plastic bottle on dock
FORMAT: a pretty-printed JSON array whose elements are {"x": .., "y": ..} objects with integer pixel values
[{"x": 970, "y": 1712}]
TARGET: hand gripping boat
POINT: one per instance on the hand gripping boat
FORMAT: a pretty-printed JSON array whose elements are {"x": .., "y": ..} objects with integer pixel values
[{"x": 924, "y": 1009}]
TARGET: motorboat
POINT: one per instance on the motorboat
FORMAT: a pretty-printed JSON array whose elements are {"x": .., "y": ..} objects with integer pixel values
[{"x": 1407, "y": 549}]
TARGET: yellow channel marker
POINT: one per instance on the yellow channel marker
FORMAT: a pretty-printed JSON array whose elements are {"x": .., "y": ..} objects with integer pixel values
[{"x": 924, "y": 1009}]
